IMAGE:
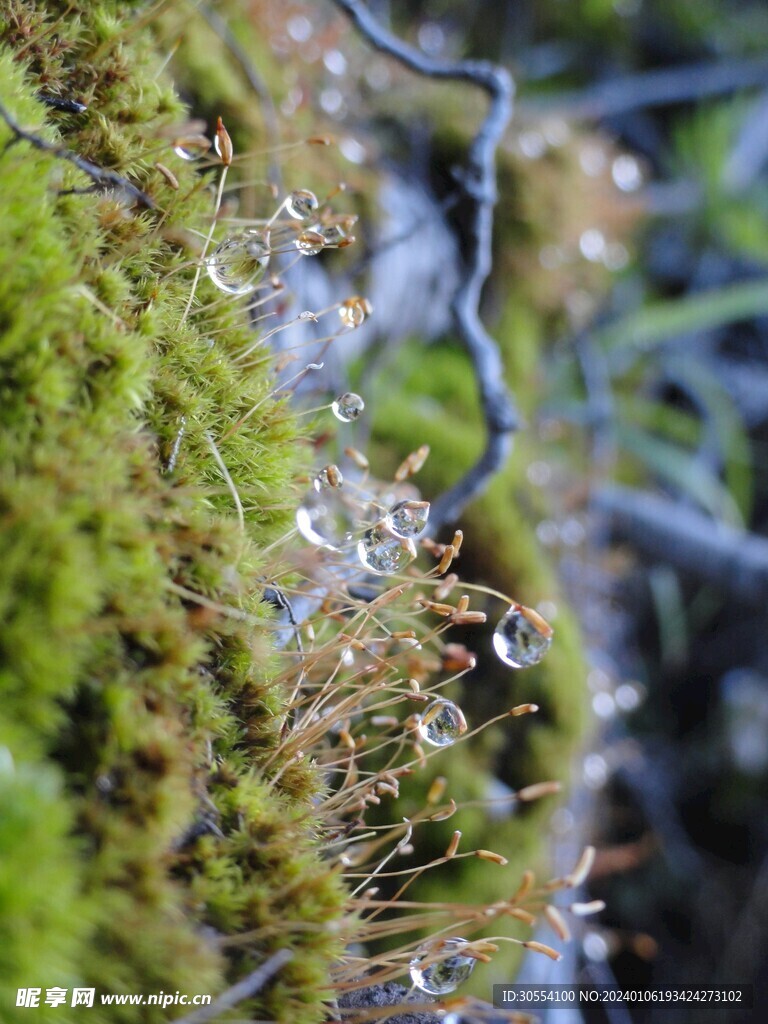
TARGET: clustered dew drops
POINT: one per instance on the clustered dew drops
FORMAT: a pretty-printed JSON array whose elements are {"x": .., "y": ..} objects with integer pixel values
[
  {"x": 347, "y": 407},
  {"x": 238, "y": 263},
  {"x": 408, "y": 518},
  {"x": 383, "y": 553},
  {"x": 331, "y": 234},
  {"x": 324, "y": 517},
  {"x": 444, "y": 975},
  {"x": 442, "y": 723},
  {"x": 309, "y": 243},
  {"x": 522, "y": 637},
  {"x": 301, "y": 204}
]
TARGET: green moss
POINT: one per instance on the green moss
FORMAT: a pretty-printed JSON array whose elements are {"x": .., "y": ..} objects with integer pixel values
[{"x": 131, "y": 714}]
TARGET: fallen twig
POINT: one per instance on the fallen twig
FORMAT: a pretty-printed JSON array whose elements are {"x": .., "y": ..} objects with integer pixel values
[
  {"x": 243, "y": 990},
  {"x": 99, "y": 176}
]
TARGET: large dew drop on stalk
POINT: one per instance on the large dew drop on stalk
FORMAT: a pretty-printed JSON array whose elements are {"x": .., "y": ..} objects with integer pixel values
[
  {"x": 442, "y": 723},
  {"x": 309, "y": 243},
  {"x": 324, "y": 517},
  {"x": 437, "y": 969},
  {"x": 522, "y": 637},
  {"x": 408, "y": 518},
  {"x": 383, "y": 553},
  {"x": 301, "y": 204},
  {"x": 333, "y": 235},
  {"x": 354, "y": 310},
  {"x": 238, "y": 263},
  {"x": 347, "y": 407},
  {"x": 329, "y": 476}
]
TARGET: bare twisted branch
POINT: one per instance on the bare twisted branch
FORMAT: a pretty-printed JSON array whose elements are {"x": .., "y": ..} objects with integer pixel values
[
  {"x": 249, "y": 986},
  {"x": 478, "y": 184},
  {"x": 99, "y": 176}
]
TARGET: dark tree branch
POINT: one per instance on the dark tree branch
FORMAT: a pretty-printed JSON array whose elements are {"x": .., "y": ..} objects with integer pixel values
[
  {"x": 478, "y": 184},
  {"x": 62, "y": 103},
  {"x": 735, "y": 561},
  {"x": 243, "y": 990},
  {"x": 655, "y": 88},
  {"x": 100, "y": 177}
]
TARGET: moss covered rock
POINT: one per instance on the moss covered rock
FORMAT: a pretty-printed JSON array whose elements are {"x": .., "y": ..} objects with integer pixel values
[{"x": 143, "y": 845}]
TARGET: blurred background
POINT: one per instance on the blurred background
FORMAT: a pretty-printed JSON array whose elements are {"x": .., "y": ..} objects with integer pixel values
[{"x": 629, "y": 298}]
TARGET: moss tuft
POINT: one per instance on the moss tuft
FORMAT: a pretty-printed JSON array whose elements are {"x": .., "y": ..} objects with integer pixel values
[{"x": 138, "y": 834}]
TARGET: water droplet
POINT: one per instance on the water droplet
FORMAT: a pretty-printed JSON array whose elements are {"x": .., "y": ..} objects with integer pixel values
[
  {"x": 442, "y": 723},
  {"x": 532, "y": 144},
  {"x": 329, "y": 476},
  {"x": 551, "y": 257},
  {"x": 299, "y": 28},
  {"x": 309, "y": 243},
  {"x": 301, "y": 204},
  {"x": 522, "y": 638},
  {"x": 431, "y": 38},
  {"x": 238, "y": 263},
  {"x": 332, "y": 234},
  {"x": 408, "y": 518},
  {"x": 347, "y": 407},
  {"x": 626, "y": 173},
  {"x": 191, "y": 147},
  {"x": 616, "y": 256},
  {"x": 557, "y": 132},
  {"x": 383, "y": 553},
  {"x": 592, "y": 244},
  {"x": 325, "y": 517},
  {"x": 629, "y": 696},
  {"x": 595, "y": 947},
  {"x": 437, "y": 970},
  {"x": 332, "y": 101},
  {"x": 598, "y": 680},
  {"x": 592, "y": 159},
  {"x": 354, "y": 310},
  {"x": 378, "y": 75},
  {"x": 572, "y": 533},
  {"x": 335, "y": 61},
  {"x": 595, "y": 771},
  {"x": 547, "y": 532},
  {"x": 604, "y": 705},
  {"x": 352, "y": 150}
]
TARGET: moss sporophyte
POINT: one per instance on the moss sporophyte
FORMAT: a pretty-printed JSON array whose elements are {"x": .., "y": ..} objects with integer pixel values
[{"x": 198, "y": 774}]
